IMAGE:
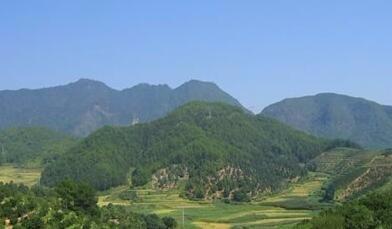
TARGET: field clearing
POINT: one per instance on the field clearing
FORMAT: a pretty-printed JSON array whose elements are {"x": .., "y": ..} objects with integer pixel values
[
  {"x": 273, "y": 212},
  {"x": 297, "y": 203},
  {"x": 27, "y": 176}
]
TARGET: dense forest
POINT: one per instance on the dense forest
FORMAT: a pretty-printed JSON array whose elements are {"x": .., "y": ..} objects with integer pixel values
[
  {"x": 68, "y": 205},
  {"x": 34, "y": 146},
  {"x": 217, "y": 149}
]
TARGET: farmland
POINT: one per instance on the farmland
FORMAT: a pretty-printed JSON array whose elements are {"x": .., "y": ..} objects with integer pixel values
[
  {"x": 27, "y": 176},
  {"x": 295, "y": 204}
]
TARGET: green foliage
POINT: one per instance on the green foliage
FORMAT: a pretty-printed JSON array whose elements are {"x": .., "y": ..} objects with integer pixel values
[
  {"x": 343, "y": 143},
  {"x": 325, "y": 220},
  {"x": 169, "y": 222},
  {"x": 34, "y": 144},
  {"x": 69, "y": 205},
  {"x": 140, "y": 176},
  {"x": 77, "y": 197},
  {"x": 337, "y": 116},
  {"x": 130, "y": 195},
  {"x": 154, "y": 222},
  {"x": 216, "y": 146},
  {"x": 241, "y": 196},
  {"x": 371, "y": 211}
]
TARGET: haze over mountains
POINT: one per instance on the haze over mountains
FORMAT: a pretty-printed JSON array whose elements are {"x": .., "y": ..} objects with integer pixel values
[
  {"x": 337, "y": 116},
  {"x": 86, "y": 105}
]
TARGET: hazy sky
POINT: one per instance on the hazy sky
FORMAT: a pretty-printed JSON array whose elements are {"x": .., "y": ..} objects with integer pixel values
[{"x": 258, "y": 51}]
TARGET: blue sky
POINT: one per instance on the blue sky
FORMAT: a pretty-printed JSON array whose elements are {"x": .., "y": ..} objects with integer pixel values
[{"x": 258, "y": 51}]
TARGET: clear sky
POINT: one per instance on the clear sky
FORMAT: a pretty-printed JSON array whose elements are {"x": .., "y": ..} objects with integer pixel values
[{"x": 258, "y": 51}]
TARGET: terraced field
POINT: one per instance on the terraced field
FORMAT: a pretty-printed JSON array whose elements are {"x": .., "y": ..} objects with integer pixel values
[
  {"x": 26, "y": 176},
  {"x": 298, "y": 203},
  {"x": 353, "y": 172}
]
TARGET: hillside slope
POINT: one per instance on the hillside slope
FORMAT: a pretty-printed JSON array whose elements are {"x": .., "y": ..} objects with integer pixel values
[
  {"x": 86, "y": 105},
  {"x": 216, "y": 149},
  {"x": 353, "y": 172},
  {"x": 32, "y": 145},
  {"x": 337, "y": 116}
]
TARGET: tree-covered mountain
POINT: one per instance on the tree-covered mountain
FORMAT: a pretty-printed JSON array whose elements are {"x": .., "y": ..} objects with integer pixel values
[
  {"x": 86, "y": 105},
  {"x": 217, "y": 150},
  {"x": 337, "y": 116},
  {"x": 33, "y": 145}
]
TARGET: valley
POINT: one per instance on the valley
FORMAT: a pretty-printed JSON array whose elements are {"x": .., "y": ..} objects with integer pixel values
[
  {"x": 299, "y": 201},
  {"x": 273, "y": 211},
  {"x": 279, "y": 210}
]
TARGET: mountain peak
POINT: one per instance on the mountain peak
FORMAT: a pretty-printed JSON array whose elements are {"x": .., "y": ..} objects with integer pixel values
[
  {"x": 86, "y": 105},
  {"x": 89, "y": 83},
  {"x": 147, "y": 85},
  {"x": 331, "y": 115},
  {"x": 197, "y": 83}
]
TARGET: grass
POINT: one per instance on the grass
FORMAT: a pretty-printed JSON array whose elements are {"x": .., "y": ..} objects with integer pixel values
[
  {"x": 27, "y": 176},
  {"x": 286, "y": 208}
]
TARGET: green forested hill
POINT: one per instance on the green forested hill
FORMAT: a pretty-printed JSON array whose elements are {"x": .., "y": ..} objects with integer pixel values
[
  {"x": 32, "y": 145},
  {"x": 337, "y": 116},
  {"x": 86, "y": 105},
  {"x": 216, "y": 149}
]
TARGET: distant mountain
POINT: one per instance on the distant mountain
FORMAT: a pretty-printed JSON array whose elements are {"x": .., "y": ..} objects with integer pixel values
[
  {"x": 86, "y": 105},
  {"x": 32, "y": 146},
  {"x": 214, "y": 150},
  {"x": 337, "y": 116}
]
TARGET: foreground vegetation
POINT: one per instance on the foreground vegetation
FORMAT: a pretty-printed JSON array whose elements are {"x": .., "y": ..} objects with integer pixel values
[
  {"x": 301, "y": 201},
  {"x": 68, "y": 205},
  {"x": 372, "y": 211}
]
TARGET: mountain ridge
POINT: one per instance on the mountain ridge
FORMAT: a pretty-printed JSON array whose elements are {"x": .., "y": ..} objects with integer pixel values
[
  {"x": 334, "y": 115},
  {"x": 85, "y": 105}
]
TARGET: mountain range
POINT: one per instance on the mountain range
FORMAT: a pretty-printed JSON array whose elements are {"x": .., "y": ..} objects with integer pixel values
[
  {"x": 196, "y": 139},
  {"x": 86, "y": 105},
  {"x": 337, "y": 116}
]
